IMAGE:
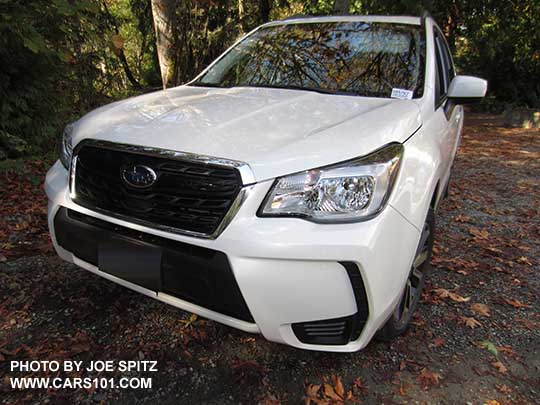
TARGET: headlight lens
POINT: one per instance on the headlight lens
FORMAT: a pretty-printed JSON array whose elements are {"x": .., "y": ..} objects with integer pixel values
[
  {"x": 66, "y": 146},
  {"x": 356, "y": 190}
]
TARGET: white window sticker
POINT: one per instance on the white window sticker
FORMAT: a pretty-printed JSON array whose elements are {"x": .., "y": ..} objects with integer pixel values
[{"x": 402, "y": 94}]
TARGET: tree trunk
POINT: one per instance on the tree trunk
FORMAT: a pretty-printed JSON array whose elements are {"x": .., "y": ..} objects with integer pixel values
[
  {"x": 264, "y": 10},
  {"x": 341, "y": 7},
  {"x": 241, "y": 16},
  {"x": 164, "y": 12}
]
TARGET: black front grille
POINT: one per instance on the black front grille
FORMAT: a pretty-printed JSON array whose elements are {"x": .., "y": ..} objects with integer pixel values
[{"x": 188, "y": 196}]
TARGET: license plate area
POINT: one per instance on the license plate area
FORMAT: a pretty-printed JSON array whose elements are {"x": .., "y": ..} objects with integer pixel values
[
  {"x": 188, "y": 272},
  {"x": 138, "y": 263}
]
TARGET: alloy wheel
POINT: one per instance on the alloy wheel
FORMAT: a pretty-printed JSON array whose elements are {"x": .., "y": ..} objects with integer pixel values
[{"x": 415, "y": 282}]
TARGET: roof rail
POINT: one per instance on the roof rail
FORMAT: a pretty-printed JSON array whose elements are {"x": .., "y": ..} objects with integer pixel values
[{"x": 425, "y": 15}]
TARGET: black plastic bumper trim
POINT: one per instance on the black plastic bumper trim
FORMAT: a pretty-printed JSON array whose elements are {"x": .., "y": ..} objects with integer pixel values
[
  {"x": 195, "y": 274},
  {"x": 360, "y": 295},
  {"x": 338, "y": 331}
]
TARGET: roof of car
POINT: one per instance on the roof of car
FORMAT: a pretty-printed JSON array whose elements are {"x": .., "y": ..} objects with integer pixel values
[{"x": 368, "y": 18}]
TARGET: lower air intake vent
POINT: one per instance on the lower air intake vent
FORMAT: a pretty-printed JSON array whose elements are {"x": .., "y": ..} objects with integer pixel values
[{"x": 327, "y": 332}]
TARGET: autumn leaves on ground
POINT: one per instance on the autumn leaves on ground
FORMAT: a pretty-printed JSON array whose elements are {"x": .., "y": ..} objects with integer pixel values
[{"x": 475, "y": 338}]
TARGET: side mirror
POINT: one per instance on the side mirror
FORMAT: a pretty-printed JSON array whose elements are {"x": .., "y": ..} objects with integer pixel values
[{"x": 467, "y": 89}]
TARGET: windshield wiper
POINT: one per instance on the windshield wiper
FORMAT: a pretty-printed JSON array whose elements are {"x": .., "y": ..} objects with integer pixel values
[
  {"x": 203, "y": 84},
  {"x": 278, "y": 86},
  {"x": 292, "y": 87}
]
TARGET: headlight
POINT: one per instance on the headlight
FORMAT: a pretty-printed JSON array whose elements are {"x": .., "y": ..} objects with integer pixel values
[
  {"x": 355, "y": 190},
  {"x": 66, "y": 147}
]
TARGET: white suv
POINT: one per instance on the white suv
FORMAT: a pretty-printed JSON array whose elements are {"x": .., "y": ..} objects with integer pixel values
[{"x": 289, "y": 190}]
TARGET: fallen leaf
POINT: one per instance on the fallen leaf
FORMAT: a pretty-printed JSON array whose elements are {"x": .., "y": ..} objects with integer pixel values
[
  {"x": 334, "y": 393},
  {"x": 501, "y": 368},
  {"x": 469, "y": 322},
  {"x": 489, "y": 346},
  {"x": 444, "y": 293},
  {"x": 515, "y": 303},
  {"x": 494, "y": 251},
  {"x": 524, "y": 260},
  {"x": 478, "y": 371},
  {"x": 503, "y": 389},
  {"x": 463, "y": 218},
  {"x": 480, "y": 309},
  {"x": 330, "y": 393},
  {"x": 338, "y": 386},
  {"x": 507, "y": 350},
  {"x": 403, "y": 390},
  {"x": 358, "y": 383},
  {"x": 528, "y": 324},
  {"x": 439, "y": 341},
  {"x": 311, "y": 393},
  {"x": 492, "y": 402},
  {"x": 429, "y": 377},
  {"x": 479, "y": 234},
  {"x": 248, "y": 365},
  {"x": 187, "y": 323}
]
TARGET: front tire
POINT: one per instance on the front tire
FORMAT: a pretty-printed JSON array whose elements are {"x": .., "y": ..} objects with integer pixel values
[{"x": 401, "y": 317}]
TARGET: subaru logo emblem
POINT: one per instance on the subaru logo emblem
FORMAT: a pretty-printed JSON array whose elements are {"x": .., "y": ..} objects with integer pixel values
[{"x": 139, "y": 176}]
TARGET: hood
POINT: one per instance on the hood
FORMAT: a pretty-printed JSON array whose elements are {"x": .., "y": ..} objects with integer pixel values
[{"x": 275, "y": 131}]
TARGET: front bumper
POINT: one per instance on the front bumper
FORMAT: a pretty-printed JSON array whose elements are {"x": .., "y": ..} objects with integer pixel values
[{"x": 288, "y": 270}]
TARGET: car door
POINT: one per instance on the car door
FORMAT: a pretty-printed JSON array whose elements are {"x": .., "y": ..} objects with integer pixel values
[{"x": 449, "y": 115}]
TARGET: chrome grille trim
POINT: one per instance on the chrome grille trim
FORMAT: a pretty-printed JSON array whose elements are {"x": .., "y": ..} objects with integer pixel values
[{"x": 246, "y": 175}]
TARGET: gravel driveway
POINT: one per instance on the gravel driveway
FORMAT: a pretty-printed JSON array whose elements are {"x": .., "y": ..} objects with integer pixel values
[{"x": 475, "y": 338}]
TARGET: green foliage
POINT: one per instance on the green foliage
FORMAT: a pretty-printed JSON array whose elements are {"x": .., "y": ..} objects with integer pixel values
[
  {"x": 57, "y": 63},
  {"x": 31, "y": 38},
  {"x": 500, "y": 41},
  {"x": 12, "y": 145}
]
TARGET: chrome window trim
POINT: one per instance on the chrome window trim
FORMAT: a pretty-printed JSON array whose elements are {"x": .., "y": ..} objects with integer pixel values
[{"x": 246, "y": 175}]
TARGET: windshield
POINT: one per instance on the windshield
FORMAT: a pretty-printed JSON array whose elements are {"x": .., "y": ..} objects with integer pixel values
[{"x": 357, "y": 58}]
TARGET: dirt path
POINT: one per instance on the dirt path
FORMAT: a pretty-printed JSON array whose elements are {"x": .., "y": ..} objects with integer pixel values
[{"x": 487, "y": 252}]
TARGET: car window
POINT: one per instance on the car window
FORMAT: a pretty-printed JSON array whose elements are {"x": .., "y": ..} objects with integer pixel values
[
  {"x": 445, "y": 67},
  {"x": 441, "y": 82},
  {"x": 448, "y": 62},
  {"x": 358, "y": 58}
]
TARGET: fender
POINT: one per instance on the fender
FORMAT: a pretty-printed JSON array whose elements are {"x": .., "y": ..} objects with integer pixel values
[{"x": 420, "y": 172}]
